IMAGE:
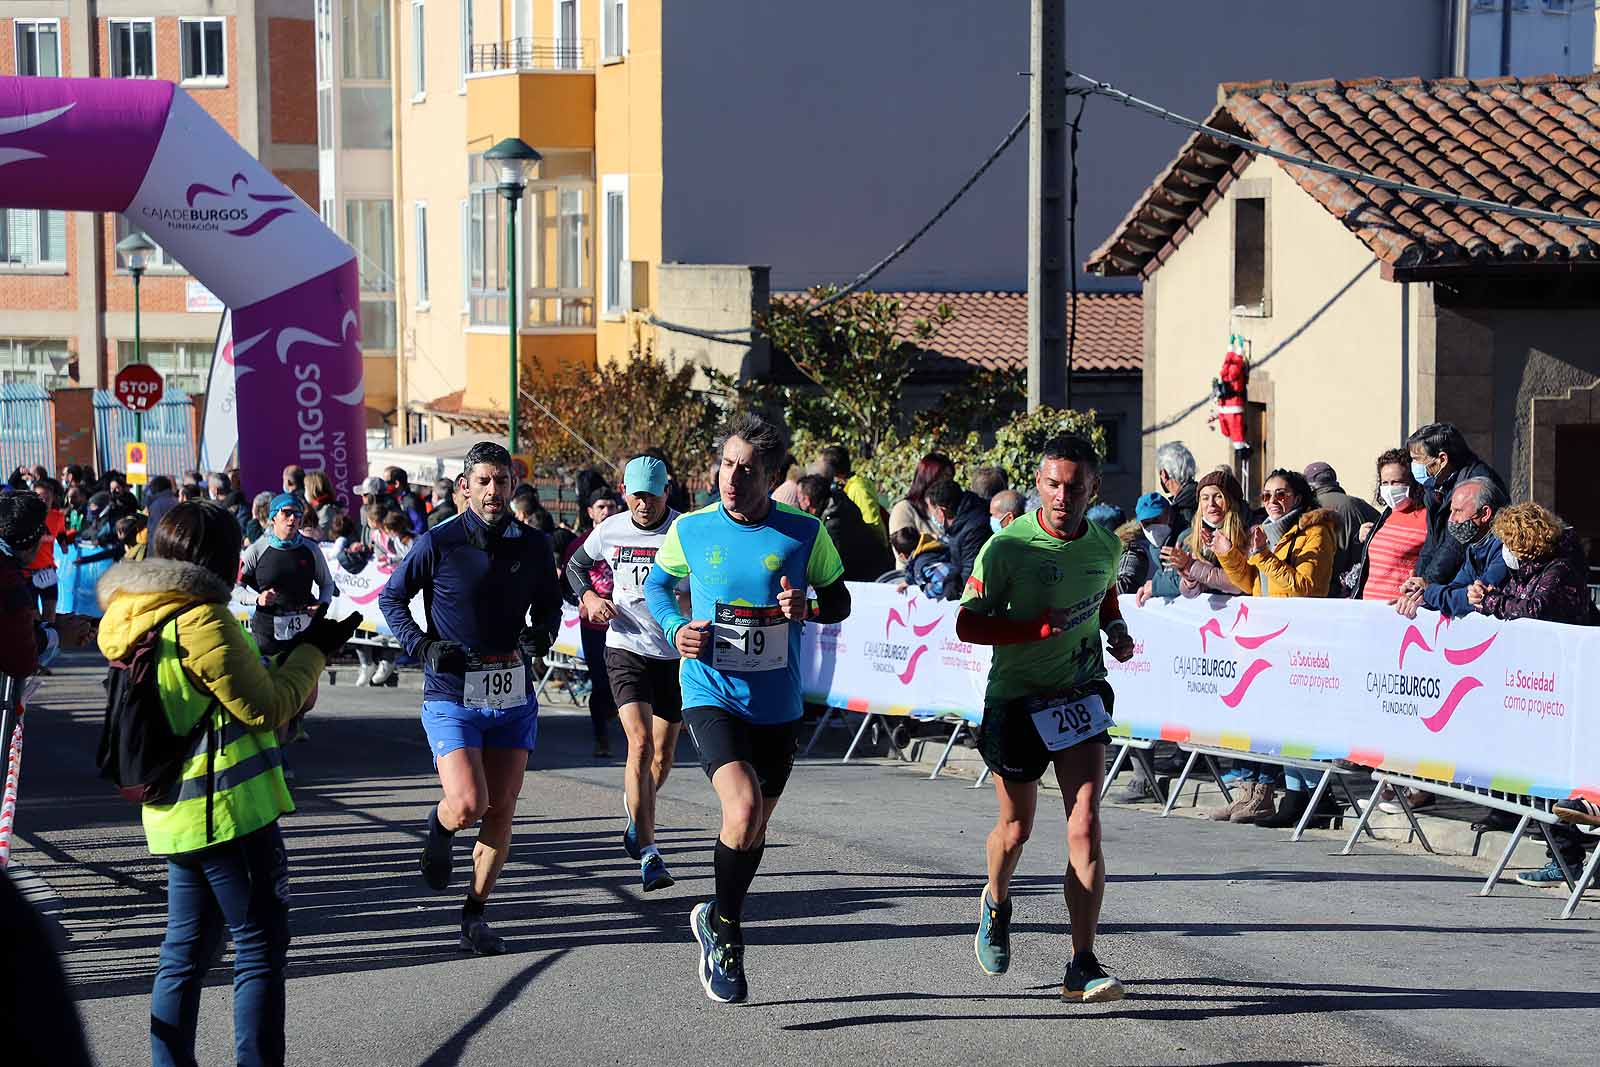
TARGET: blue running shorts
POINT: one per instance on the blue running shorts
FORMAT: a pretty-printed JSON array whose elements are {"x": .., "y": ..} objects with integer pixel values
[{"x": 450, "y": 726}]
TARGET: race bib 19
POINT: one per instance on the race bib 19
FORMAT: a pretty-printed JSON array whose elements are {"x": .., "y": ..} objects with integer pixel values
[
  {"x": 749, "y": 638},
  {"x": 289, "y": 627},
  {"x": 1065, "y": 721},
  {"x": 631, "y": 567},
  {"x": 494, "y": 682}
]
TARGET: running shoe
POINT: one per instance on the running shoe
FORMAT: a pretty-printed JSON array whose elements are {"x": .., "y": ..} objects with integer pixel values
[
  {"x": 437, "y": 856},
  {"x": 1547, "y": 877},
  {"x": 653, "y": 871},
  {"x": 1087, "y": 981},
  {"x": 721, "y": 964},
  {"x": 478, "y": 939},
  {"x": 992, "y": 942},
  {"x": 630, "y": 833}
]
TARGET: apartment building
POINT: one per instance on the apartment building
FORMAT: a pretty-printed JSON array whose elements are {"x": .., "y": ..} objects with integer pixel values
[{"x": 66, "y": 302}]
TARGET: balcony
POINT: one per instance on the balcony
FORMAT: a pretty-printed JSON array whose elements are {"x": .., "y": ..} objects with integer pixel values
[{"x": 533, "y": 54}]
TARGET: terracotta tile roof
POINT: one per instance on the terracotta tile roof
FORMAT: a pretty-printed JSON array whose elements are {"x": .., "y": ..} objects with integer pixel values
[
  {"x": 1530, "y": 142},
  {"x": 990, "y": 330}
]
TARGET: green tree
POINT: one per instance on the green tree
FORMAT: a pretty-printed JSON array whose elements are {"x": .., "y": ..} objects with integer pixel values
[{"x": 858, "y": 353}]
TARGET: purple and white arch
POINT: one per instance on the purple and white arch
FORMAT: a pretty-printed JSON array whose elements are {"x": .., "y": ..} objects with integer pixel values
[{"x": 145, "y": 149}]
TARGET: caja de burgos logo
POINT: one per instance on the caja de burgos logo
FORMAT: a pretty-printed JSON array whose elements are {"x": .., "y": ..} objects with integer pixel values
[
  {"x": 1220, "y": 669},
  {"x": 236, "y": 211},
  {"x": 1430, "y": 688},
  {"x": 904, "y": 640}
]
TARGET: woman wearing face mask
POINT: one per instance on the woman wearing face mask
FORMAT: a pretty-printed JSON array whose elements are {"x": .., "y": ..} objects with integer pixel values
[
  {"x": 1291, "y": 554},
  {"x": 1548, "y": 570},
  {"x": 1390, "y": 546}
]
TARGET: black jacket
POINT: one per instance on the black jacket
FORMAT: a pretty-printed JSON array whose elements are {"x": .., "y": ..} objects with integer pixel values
[
  {"x": 1186, "y": 503},
  {"x": 1442, "y": 554},
  {"x": 863, "y": 555},
  {"x": 965, "y": 534}
]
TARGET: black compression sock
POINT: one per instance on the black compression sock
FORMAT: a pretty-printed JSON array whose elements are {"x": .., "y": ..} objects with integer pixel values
[
  {"x": 735, "y": 870},
  {"x": 472, "y": 909},
  {"x": 436, "y": 830}
]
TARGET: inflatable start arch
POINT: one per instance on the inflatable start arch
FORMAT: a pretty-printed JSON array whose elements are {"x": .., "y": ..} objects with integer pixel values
[{"x": 145, "y": 149}]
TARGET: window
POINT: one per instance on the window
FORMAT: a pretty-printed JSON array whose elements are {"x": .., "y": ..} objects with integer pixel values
[
  {"x": 37, "y": 362},
  {"x": 555, "y": 255},
  {"x": 327, "y": 214},
  {"x": 1112, "y": 460},
  {"x": 364, "y": 34},
  {"x": 39, "y": 47},
  {"x": 419, "y": 50},
  {"x": 465, "y": 208},
  {"x": 369, "y": 227},
  {"x": 613, "y": 29},
  {"x": 365, "y": 118},
  {"x": 33, "y": 239},
  {"x": 133, "y": 48},
  {"x": 569, "y": 53},
  {"x": 466, "y": 43},
  {"x": 324, "y": 31},
  {"x": 159, "y": 260},
  {"x": 422, "y": 253},
  {"x": 204, "y": 54},
  {"x": 184, "y": 364},
  {"x": 617, "y": 271},
  {"x": 1250, "y": 280}
]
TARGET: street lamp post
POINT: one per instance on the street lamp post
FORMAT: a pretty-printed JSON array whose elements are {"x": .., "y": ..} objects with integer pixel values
[
  {"x": 136, "y": 250},
  {"x": 513, "y": 157}
]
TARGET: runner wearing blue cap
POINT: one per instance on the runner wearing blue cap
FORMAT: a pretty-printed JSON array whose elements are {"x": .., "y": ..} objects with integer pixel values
[
  {"x": 282, "y": 567},
  {"x": 641, "y": 663}
]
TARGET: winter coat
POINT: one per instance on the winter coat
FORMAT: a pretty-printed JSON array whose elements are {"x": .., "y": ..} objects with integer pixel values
[
  {"x": 966, "y": 534},
  {"x": 929, "y": 567},
  {"x": 19, "y": 632},
  {"x": 863, "y": 555},
  {"x": 1442, "y": 554},
  {"x": 1554, "y": 588},
  {"x": 1301, "y": 564},
  {"x": 1352, "y": 513},
  {"x": 216, "y": 657},
  {"x": 1480, "y": 562},
  {"x": 1186, "y": 503},
  {"x": 1141, "y": 561}
]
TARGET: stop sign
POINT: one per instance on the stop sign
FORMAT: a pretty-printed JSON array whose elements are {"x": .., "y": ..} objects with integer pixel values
[{"x": 138, "y": 387}]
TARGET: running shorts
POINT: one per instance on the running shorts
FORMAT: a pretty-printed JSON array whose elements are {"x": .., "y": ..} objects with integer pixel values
[
  {"x": 1010, "y": 743},
  {"x": 639, "y": 679},
  {"x": 723, "y": 737},
  {"x": 450, "y": 726}
]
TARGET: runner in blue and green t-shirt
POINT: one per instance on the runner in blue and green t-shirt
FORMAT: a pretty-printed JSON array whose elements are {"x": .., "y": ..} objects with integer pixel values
[
  {"x": 749, "y": 562},
  {"x": 1042, "y": 591}
]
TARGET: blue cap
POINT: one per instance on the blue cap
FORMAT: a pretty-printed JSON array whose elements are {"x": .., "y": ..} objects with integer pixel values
[
  {"x": 285, "y": 501},
  {"x": 645, "y": 474},
  {"x": 1150, "y": 506}
]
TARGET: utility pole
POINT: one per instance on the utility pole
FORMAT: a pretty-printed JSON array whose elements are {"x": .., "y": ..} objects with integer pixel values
[
  {"x": 1505, "y": 38},
  {"x": 1047, "y": 232}
]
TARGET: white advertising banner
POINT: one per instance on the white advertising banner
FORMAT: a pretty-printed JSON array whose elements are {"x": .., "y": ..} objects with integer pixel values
[{"x": 1475, "y": 700}]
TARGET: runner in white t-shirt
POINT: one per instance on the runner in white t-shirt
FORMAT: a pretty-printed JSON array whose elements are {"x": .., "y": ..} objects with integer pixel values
[{"x": 641, "y": 662}]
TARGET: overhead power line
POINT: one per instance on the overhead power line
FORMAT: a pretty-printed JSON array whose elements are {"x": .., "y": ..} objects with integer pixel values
[{"x": 1111, "y": 92}]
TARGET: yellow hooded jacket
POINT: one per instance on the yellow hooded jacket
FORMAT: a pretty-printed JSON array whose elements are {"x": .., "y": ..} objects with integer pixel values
[
  {"x": 1301, "y": 564},
  {"x": 208, "y": 664}
]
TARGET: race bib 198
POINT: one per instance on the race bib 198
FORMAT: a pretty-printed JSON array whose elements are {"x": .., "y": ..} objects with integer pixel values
[
  {"x": 631, "y": 567},
  {"x": 1065, "y": 721},
  {"x": 749, "y": 638},
  {"x": 494, "y": 682},
  {"x": 289, "y": 627}
]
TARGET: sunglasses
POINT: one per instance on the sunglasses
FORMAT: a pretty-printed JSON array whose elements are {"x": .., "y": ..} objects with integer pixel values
[
  {"x": 290, "y": 512},
  {"x": 1268, "y": 495}
]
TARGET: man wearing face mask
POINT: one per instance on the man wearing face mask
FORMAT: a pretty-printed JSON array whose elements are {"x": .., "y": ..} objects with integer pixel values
[
  {"x": 964, "y": 517},
  {"x": 1473, "y": 507},
  {"x": 1157, "y": 528},
  {"x": 1175, "y": 469},
  {"x": 1440, "y": 461},
  {"x": 1005, "y": 507}
]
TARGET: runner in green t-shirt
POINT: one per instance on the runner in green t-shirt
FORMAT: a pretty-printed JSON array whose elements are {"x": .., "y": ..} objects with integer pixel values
[{"x": 1041, "y": 592}]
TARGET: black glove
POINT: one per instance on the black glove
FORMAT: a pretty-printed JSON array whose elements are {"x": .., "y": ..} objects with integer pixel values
[
  {"x": 443, "y": 657},
  {"x": 329, "y": 635},
  {"x": 534, "y": 642}
]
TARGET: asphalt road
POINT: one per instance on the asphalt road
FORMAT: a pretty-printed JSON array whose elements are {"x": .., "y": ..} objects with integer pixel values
[{"x": 1235, "y": 945}]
